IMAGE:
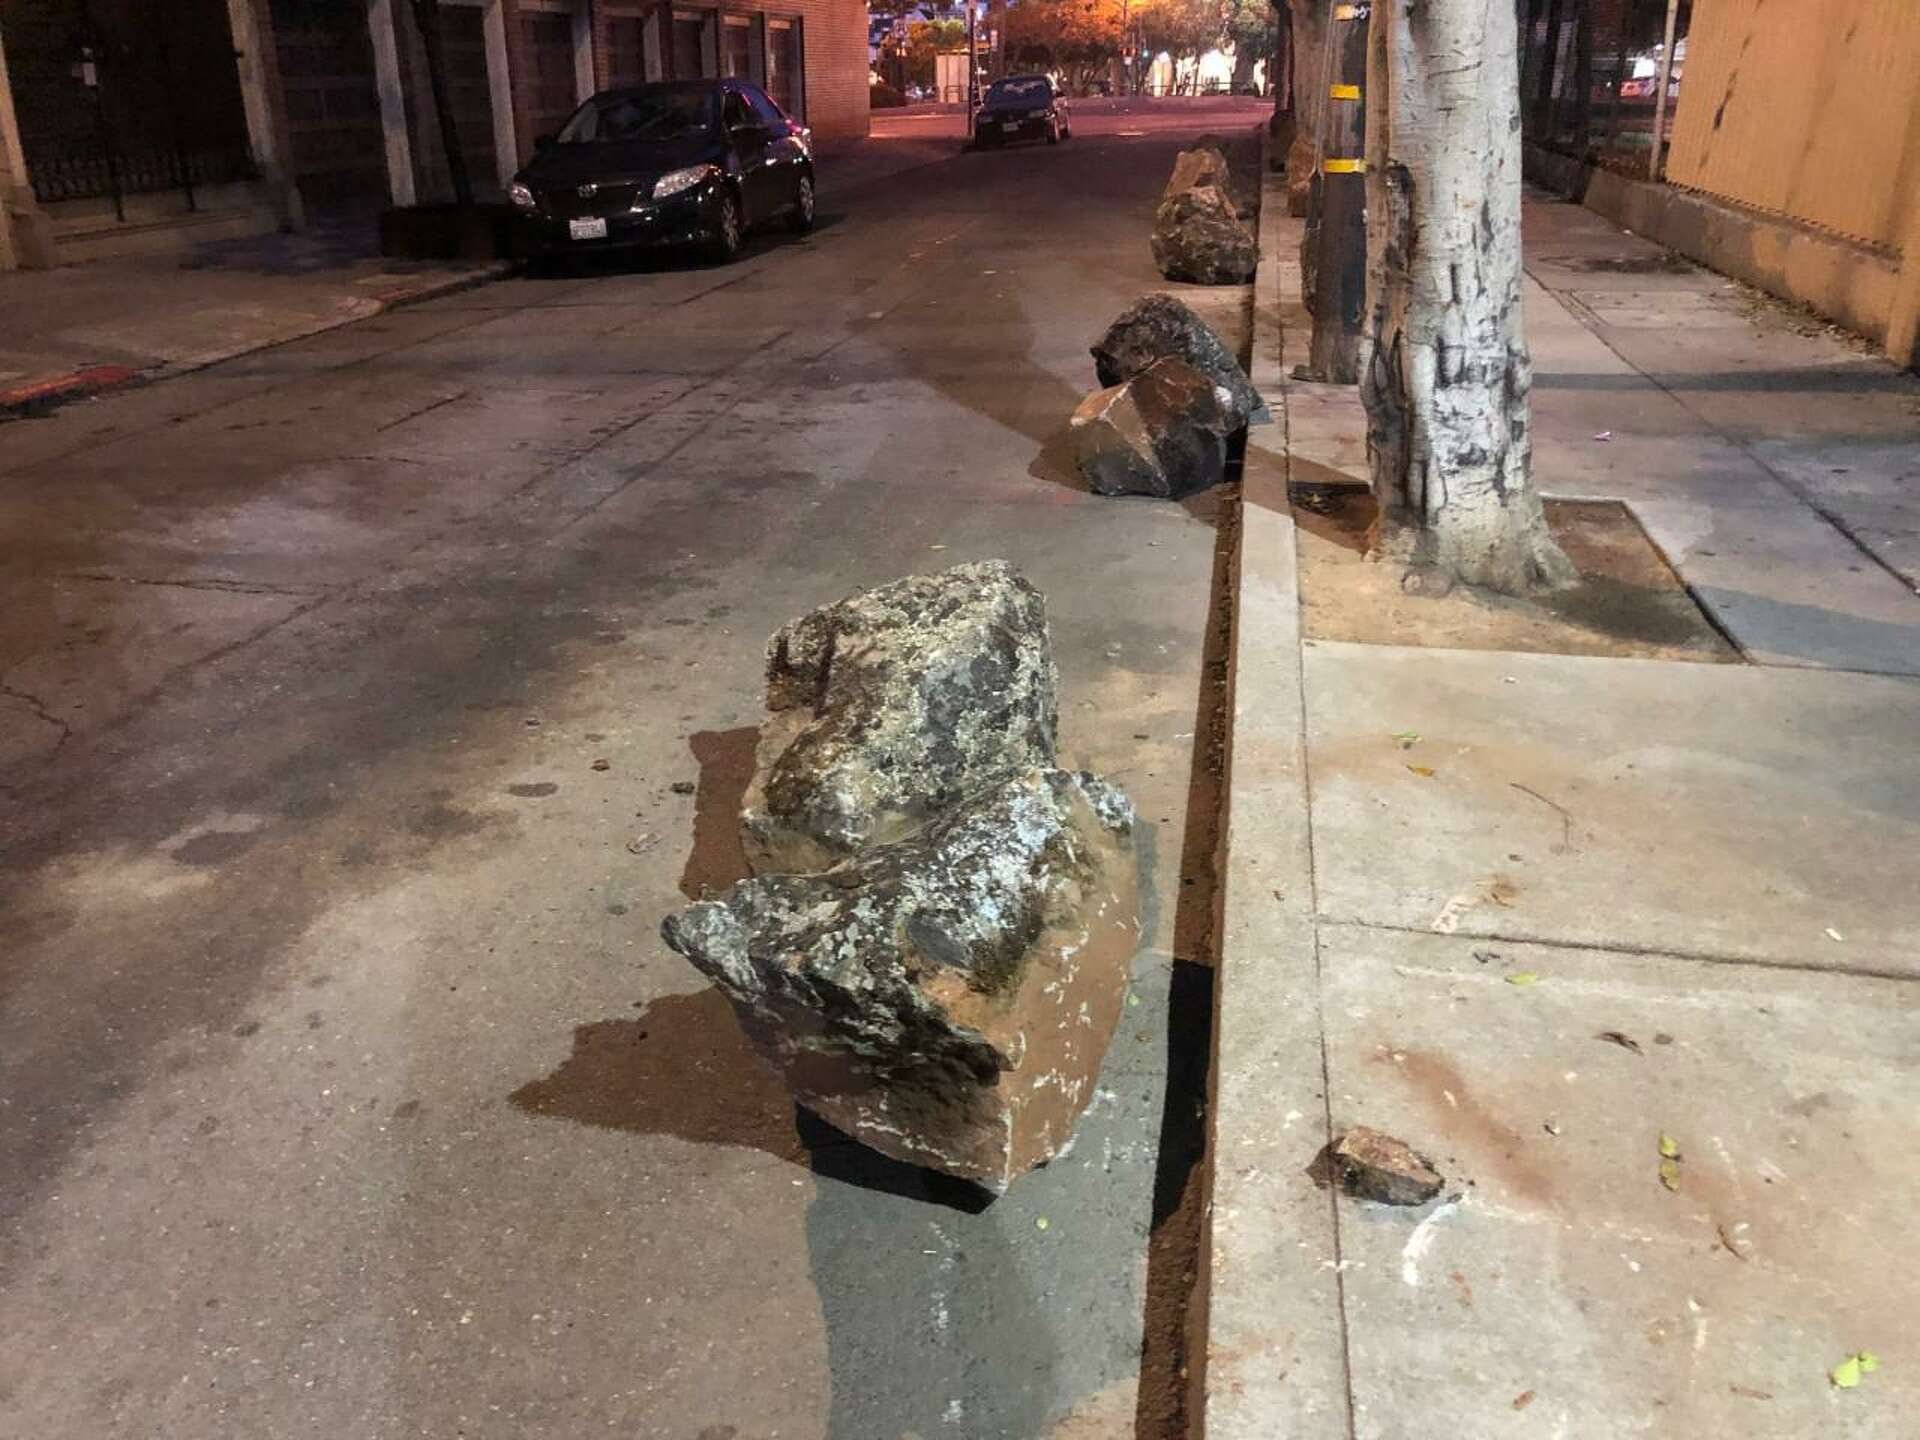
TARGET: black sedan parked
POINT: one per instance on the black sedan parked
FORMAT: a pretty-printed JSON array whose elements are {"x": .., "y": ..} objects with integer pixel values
[
  {"x": 697, "y": 162},
  {"x": 1022, "y": 107}
]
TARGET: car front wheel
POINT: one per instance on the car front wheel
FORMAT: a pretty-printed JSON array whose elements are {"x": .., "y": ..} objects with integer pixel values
[
  {"x": 724, "y": 243},
  {"x": 800, "y": 218}
]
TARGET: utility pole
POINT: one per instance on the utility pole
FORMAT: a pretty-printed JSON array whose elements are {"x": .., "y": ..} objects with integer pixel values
[
  {"x": 1333, "y": 255},
  {"x": 1660, "y": 96},
  {"x": 973, "y": 69}
]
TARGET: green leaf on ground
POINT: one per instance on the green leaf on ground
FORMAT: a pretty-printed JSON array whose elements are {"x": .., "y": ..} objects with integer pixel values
[
  {"x": 1523, "y": 977},
  {"x": 1425, "y": 772},
  {"x": 1669, "y": 1147},
  {"x": 1847, "y": 1373},
  {"x": 1670, "y": 1174},
  {"x": 1407, "y": 739}
]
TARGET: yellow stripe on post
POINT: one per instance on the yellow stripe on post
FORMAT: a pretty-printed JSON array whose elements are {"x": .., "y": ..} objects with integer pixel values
[
  {"x": 1344, "y": 92},
  {"x": 1343, "y": 167},
  {"x": 1349, "y": 12}
]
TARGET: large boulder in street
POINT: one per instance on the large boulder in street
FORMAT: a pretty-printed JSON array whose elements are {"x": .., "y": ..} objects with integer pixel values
[
  {"x": 948, "y": 998},
  {"x": 1202, "y": 165},
  {"x": 893, "y": 705},
  {"x": 1164, "y": 433},
  {"x": 1156, "y": 326},
  {"x": 1197, "y": 237}
]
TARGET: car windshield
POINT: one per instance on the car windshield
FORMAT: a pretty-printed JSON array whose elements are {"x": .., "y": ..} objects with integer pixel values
[
  {"x": 656, "y": 113},
  {"x": 1029, "y": 90}
]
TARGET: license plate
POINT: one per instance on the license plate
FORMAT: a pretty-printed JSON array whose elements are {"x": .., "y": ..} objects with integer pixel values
[{"x": 592, "y": 228}]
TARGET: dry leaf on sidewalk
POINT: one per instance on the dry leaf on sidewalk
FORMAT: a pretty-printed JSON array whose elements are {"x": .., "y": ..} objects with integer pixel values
[
  {"x": 1622, "y": 1039},
  {"x": 1523, "y": 977}
]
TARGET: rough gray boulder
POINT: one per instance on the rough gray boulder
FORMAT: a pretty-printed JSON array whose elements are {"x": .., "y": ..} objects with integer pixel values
[
  {"x": 893, "y": 705},
  {"x": 1164, "y": 433},
  {"x": 1156, "y": 326},
  {"x": 1202, "y": 165},
  {"x": 1197, "y": 237},
  {"x": 947, "y": 998}
]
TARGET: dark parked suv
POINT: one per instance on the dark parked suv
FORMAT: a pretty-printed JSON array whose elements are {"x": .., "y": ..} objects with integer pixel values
[{"x": 695, "y": 162}]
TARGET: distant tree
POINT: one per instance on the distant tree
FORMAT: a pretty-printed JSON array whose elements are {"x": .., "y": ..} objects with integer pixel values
[
  {"x": 1183, "y": 30},
  {"x": 1076, "y": 39},
  {"x": 1252, "y": 27},
  {"x": 927, "y": 38}
]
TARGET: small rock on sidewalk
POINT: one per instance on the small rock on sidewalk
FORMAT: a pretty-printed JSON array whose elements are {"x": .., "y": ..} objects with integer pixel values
[{"x": 1374, "y": 1166}]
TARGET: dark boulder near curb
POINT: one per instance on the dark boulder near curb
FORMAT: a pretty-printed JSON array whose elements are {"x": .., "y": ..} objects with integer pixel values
[
  {"x": 1163, "y": 433},
  {"x": 1197, "y": 237},
  {"x": 1375, "y": 1166},
  {"x": 893, "y": 705},
  {"x": 1157, "y": 326},
  {"x": 946, "y": 999}
]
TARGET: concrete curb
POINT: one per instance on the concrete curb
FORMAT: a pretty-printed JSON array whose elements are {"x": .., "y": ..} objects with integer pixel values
[
  {"x": 61, "y": 388},
  {"x": 1276, "y": 1353}
]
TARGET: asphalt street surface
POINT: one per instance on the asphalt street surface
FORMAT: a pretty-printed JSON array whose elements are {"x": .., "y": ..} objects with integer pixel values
[{"x": 348, "y": 695}]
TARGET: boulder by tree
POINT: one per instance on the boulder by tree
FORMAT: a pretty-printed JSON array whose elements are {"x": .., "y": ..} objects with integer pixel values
[
  {"x": 1446, "y": 373},
  {"x": 1307, "y": 52}
]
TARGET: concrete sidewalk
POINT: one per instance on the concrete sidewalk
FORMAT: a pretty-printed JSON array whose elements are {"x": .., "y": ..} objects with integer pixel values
[
  {"x": 84, "y": 328},
  {"x": 1630, "y": 899}
]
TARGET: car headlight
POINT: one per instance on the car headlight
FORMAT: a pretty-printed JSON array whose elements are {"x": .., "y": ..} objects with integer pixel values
[
  {"x": 521, "y": 196},
  {"x": 674, "y": 181}
]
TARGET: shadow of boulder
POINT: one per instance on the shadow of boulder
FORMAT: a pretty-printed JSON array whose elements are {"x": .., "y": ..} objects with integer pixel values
[{"x": 681, "y": 1068}]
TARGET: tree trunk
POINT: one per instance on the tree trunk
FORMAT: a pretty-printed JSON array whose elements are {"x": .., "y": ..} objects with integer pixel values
[
  {"x": 1446, "y": 379},
  {"x": 1581, "y": 123},
  {"x": 1309, "y": 50},
  {"x": 1543, "y": 100},
  {"x": 997, "y": 30},
  {"x": 426, "y": 15},
  {"x": 1280, "y": 77}
]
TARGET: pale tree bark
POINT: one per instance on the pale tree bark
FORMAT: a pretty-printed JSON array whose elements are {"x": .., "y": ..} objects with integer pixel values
[
  {"x": 1447, "y": 375},
  {"x": 1308, "y": 47}
]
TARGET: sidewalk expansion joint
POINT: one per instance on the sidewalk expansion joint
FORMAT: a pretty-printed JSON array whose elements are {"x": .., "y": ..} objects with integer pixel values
[
  {"x": 1787, "y": 482},
  {"x": 1617, "y": 947}
]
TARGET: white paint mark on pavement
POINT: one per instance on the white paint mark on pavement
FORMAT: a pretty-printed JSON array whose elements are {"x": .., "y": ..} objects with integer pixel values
[{"x": 1421, "y": 1241}]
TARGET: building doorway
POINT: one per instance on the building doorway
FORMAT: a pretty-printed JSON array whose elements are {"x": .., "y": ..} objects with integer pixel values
[{"x": 125, "y": 98}]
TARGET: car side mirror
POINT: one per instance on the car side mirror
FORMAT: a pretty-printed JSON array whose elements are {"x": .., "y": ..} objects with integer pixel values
[{"x": 545, "y": 142}]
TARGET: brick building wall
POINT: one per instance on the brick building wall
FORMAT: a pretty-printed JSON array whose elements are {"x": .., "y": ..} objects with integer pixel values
[
  {"x": 518, "y": 67},
  {"x": 833, "y": 44}
]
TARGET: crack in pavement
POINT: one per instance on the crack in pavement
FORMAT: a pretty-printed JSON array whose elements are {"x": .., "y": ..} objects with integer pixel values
[
  {"x": 35, "y": 704},
  {"x": 227, "y": 587}
]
